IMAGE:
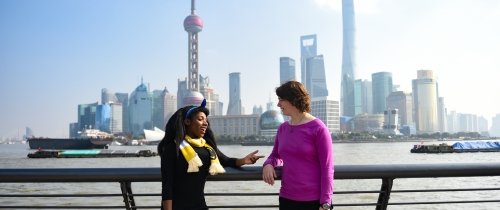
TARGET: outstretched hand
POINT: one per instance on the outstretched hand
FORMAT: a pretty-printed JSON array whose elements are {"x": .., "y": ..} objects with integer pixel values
[{"x": 252, "y": 158}]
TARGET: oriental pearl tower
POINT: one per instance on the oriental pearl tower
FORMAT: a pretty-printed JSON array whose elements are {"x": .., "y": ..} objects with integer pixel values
[{"x": 193, "y": 24}]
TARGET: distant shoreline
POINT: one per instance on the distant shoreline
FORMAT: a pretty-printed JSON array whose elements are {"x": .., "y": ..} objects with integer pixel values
[
  {"x": 382, "y": 140},
  {"x": 336, "y": 141},
  {"x": 404, "y": 140}
]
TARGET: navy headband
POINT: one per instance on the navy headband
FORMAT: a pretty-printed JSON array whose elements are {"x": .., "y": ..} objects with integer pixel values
[{"x": 203, "y": 104}]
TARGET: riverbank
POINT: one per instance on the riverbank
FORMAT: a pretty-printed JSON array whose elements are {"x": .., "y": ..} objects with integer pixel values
[{"x": 341, "y": 141}]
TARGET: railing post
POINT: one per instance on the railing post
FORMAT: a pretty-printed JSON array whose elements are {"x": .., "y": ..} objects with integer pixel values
[
  {"x": 128, "y": 198},
  {"x": 385, "y": 193}
]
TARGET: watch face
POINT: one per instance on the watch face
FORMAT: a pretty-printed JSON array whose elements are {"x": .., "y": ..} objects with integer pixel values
[{"x": 325, "y": 206}]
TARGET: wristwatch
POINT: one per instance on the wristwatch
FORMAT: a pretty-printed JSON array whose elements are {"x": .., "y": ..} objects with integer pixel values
[{"x": 326, "y": 206}]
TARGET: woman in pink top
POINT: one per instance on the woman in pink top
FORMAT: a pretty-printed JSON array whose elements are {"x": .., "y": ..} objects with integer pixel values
[{"x": 303, "y": 147}]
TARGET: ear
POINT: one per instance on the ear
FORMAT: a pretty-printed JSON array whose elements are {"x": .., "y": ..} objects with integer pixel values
[{"x": 187, "y": 122}]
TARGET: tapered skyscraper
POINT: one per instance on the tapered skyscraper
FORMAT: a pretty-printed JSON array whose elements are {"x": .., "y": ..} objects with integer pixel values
[
  {"x": 308, "y": 49},
  {"x": 348, "y": 59}
]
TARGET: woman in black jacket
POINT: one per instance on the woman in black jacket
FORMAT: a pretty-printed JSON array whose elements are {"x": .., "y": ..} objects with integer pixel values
[{"x": 188, "y": 155}]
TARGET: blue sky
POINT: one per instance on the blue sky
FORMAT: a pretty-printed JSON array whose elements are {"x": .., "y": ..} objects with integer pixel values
[{"x": 56, "y": 54}]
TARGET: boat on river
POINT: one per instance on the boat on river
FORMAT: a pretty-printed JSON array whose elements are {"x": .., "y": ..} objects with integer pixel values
[
  {"x": 88, "y": 139},
  {"x": 90, "y": 153},
  {"x": 478, "y": 146},
  {"x": 257, "y": 143}
]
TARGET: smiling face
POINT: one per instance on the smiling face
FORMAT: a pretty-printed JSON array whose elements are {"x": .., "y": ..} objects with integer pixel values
[
  {"x": 197, "y": 125},
  {"x": 286, "y": 107}
]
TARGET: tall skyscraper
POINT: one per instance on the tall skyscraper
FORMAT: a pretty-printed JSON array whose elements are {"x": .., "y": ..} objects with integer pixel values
[
  {"x": 107, "y": 97},
  {"x": 425, "y": 102},
  {"x": 462, "y": 122},
  {"x": 171, "y": 105},
  {"x": 73, "y": 130},
  {"x": 391, "y": 121},
  {"x": 123, "y": 99},
  {"x": 452, "y": 122},
  {"x": 363, "y": 100},
  {"x": 234, "y": 107},
  {"x": 86, "y": 115},
  {"x": 466, "y": 122},
  {"x": 482, "y": 125},
  {"x": 312, "y": 67},
  {"x": 29, "y": 133},
  {"x": 192, "y": 24},
  {"x": 328, "y": 112},
  {"x": 308, "y": 49},
  {"x": 348, "y": 59},
  {"x": 441, "y": 115},
  {"x": 214, "y": 105},
  {"x": 118, "y": 112},
  {"x": 381, "y": 88},
  {"x": 287, "y": 69},
  {"x": 141, "y": 110},
  {"x": 164, "y": 106},
  {"x": 403, "y": 103},
  {"x": 358, "y": 99},
  {"x": 182, "y": 90},
  {"x": 103, "y": 117},
  {"x": 315, "y": 77},
  {"x": 116, "y": 118},
  {"x": 495, "y": 126}
]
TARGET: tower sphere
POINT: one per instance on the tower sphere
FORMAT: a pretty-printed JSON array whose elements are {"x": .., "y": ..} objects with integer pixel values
[
  {"x": 192, "y": 98},
  {"x": 193, "y": 23}
]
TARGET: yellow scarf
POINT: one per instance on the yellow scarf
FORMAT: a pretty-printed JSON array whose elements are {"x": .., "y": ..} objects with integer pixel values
[{"x": 194, "y": 162}]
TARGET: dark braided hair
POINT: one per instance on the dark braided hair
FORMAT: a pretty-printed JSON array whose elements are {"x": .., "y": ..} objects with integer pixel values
[{"x": 175, "y": 129}]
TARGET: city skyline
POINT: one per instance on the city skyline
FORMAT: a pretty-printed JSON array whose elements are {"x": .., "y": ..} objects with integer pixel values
[{"x": 55, "y": 55}]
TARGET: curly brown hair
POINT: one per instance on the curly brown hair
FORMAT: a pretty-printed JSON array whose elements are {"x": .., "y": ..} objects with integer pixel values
[{"x": 296, "y": 94}]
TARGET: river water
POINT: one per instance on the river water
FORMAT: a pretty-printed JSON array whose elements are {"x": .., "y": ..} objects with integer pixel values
[{"x": 14, "y": 156}]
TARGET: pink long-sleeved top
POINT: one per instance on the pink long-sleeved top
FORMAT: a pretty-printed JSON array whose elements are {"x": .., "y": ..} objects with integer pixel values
[{"x": 306, "y": 153}]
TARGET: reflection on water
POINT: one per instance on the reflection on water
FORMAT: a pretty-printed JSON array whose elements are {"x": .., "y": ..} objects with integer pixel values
[{"x": 14, "y": 156}]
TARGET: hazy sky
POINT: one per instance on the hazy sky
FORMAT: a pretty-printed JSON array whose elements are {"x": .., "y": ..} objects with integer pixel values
[{"x": 56, "y": 54}]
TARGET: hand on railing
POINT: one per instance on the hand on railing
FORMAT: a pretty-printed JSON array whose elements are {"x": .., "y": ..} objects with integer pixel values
[{"x": 269, "y": 174}]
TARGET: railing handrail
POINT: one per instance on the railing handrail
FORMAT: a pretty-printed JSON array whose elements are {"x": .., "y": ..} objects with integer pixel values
[
  {"x": 247, "y": 173},
  {"x": 387, "y": 173}
]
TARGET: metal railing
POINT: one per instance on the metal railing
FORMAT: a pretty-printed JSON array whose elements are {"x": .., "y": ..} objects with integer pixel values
[{"x": 125, "y": 176}]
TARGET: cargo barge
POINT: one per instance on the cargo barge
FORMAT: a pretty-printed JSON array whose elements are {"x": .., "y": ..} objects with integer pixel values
[
  {"x": 458, "y": 147},
  {"x": 257, "y": 143},
  {"x": 88, "y": 139},
  {"x": 93, "y": 153}
]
